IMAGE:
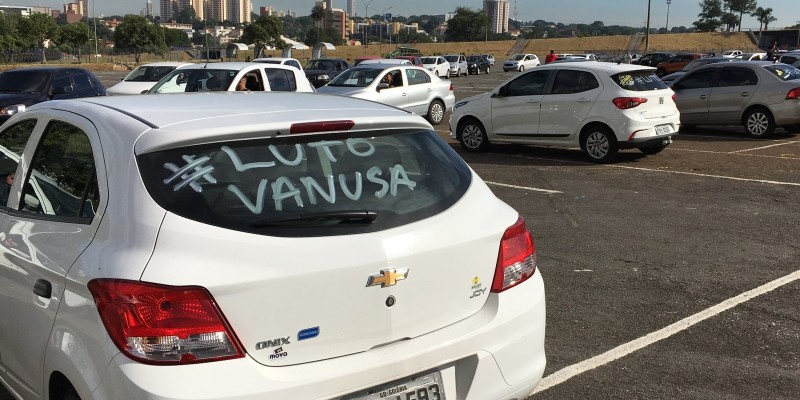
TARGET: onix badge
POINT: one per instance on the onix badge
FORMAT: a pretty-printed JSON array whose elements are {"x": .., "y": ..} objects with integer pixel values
[{"x": 387, "y": 277}]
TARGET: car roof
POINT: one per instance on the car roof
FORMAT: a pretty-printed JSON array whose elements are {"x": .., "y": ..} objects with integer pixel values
[
  {"x": 387, "y": 66},
  {"x": 237, "y": 66},
  {"x": 273, "y": 59},
  {"x": 49, "y": 69},
  {"x": 165, "y": 64},
  {"x": 599, "y": 66}
]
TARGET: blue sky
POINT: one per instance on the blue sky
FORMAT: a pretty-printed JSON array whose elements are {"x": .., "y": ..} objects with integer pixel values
[{"x": 611, "y": 12}]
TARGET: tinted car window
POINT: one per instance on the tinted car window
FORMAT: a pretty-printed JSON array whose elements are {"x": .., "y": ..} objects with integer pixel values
[
  {"x": 784, "y": 72},
  {"x": 195, "y": 80},
  {"x": 277, "y": 186},
  {"x": 569, "y": 81},
  {"x": 281, "y": 80},
  {"x": 149, "y": 74},
  {"x": 63, "y": 181},
  {"x": 355, "y": 77},
  {"x": 529, "y": 84},
  {"x": 81, "y": 80},
  {"x": 23, "y": 81},
  {"x": 737, "y": 77},
  {"x": 417, "y": 77},
  {"x": 696, "y": 80},
  {"x": 12, "y": 143},
  {"x": 638, "y": 81},
  {"x": 61, "y": 80}
]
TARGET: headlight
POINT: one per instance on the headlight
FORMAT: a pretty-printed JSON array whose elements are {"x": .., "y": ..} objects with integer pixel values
[
  {"x": 12, "y": 109},
  {"x": 323, "y": 77},
  {"x": 460, "y": 104}
]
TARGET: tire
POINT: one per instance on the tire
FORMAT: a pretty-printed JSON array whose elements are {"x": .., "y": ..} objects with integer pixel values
[
  {"x": 436, "y": 112},
  {"x": 758, "y": 123},
  {"x": 599, "y": 144},
  {"x": 792, "y": 128},
  {"x": 650, "y": 150},
  {"x": 487, "y": 70},
  {"x": 521, "y": 68},
  {"x": 472, "y": 135}
]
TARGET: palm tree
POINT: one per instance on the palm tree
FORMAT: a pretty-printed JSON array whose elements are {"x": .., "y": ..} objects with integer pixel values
[
  {"x": 318, "y": 14},
  {"x": 764, "y": 17}
]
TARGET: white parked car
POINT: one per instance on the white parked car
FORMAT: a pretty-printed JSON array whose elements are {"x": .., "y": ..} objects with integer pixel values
[
  {"x": 258, "y": 252},
  {"x": 391, "y": 61},
  {"x": 292, "y": 62},
  {"x": 521, "y": 62},
  {"x": 600, "y": 107},
  {"x": 143, "y": 77},
  {"x": 437, "y": 65},
  {"x": 412, "y": 88},
  {"x": 458, "y": 64},
  {"x": 731, "y": 53},
  {"x": 232, "y": 76}
]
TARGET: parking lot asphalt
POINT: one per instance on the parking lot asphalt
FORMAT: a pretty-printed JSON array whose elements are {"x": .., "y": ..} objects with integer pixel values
[{"x": 673, "y": 276}]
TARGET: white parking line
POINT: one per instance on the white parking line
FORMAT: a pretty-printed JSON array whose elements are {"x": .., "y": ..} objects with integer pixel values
[
  {"x": 548, "y": 191},
  {"x": 710, "y": 176},
  {"x": 762, "y": 147},
  {"x": 623, "y": 350}
]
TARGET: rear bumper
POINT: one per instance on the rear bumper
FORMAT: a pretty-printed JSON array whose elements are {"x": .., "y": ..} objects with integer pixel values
[
  {"x": 786, "y": 112},
  {"x": 497, "y": 353}
]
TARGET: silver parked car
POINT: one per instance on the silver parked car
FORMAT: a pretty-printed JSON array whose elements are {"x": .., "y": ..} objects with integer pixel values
[
  {"x": 458, "y": 64},
  {"x": 404, "y": 86},
  {"x": 760, "y": 95}
]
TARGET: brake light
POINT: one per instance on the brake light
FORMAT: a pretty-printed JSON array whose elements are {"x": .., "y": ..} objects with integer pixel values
[
  {"x": 516, "y": 261},
  {"x": 624, "y": 103},
  {"x": 321, "y": 126},
  {"x": 159, "y": 324},
  {"x": 794, "y": 94},
  {"x": 451, "y": 86}
]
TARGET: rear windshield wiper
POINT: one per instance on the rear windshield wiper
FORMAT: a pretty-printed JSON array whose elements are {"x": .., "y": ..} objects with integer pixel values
[{"x": 340, "y": 217}]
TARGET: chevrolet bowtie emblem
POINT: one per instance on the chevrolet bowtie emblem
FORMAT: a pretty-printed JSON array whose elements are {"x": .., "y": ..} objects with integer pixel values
[{"x": 387, "y": 277}]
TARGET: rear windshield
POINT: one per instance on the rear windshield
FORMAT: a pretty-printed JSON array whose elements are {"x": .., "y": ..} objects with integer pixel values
[
  {"x": 639, "y": 81},
  {"x": 309, "y": 185},
  {"x": 784, "y": 72}
]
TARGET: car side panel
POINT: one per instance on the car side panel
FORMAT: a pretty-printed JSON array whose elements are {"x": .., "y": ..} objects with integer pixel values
[
  {"x": 555, "y": 107},
  {"x": 515, "y": 116},
  {"x": 693, "y": 104}
]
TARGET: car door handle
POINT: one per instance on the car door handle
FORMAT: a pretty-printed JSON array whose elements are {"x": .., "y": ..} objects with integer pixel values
[
  {"x": 703, "y": 97},
  {"x": 430, "y": 90},
  {"x": 43, "y": 288},
  {"x": 745, "y": 94},
  {"x": 583, "y": 100}
]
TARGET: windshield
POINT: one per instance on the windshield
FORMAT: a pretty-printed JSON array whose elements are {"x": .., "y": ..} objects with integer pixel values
[
  {"x": 356, "y": 77},
  {"x": 23, "y": 81},
  {"x": 309, "y": 185},
  {"x": 474, "y": 59},
  {"x": 784, "y": 72},
  {"x": 149, "y": 74},
  {"x": 639, "y": 81},
  {"x": 195, "y": 80},
  {"x": 451, "y": 58},
  {"x": 518, "y": 57},
  {"x": 428, "y": 60},
  {"x": 320, "y": 64}
]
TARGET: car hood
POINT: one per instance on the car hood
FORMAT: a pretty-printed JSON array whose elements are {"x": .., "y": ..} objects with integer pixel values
[
  {"x": 475, "y": 98},
  {"x": 129, "y": 88},
  {"x": 8, "y": 99},
  {"x": 673, "y": 76},
  {"x": 341, "y": 90}
]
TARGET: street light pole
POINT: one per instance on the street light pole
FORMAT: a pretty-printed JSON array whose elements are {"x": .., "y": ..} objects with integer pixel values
[
  {"x": 205, "y": 27},
  {"x": 647, "y": 31},
  {"x": 666, "y": 28},
  {"x": 380, "y": 30},
  {"x": 366, "y": 11}
]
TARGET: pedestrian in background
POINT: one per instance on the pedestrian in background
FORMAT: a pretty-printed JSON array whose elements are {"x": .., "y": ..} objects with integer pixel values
[
  {"x": 550, "y": 57},
  {"x": 772, "y": 52}
]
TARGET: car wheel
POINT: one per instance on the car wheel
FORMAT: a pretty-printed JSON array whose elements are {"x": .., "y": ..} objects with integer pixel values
[
  {"x": 599, "y": 144},
  {"x": 650, "y": 150},
  {"x": 487, "y": 70},
  {"x": 792, "y": 128},
  {"x": 436, "y": 112},
  {"x": 759, "y": 123},
  {"x": 521, "y": 68},
  {"x": 471, "y": 135}
]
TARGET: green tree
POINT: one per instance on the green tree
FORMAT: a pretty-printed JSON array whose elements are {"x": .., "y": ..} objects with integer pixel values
[
  {"x": 764, "y": 17},
  {"x": 176, "y": 38},
  {"x": 9, "y": 34},
  {"x": 318, "y": 14},
  {"x": 39, "y": 28},
  {"x": 137, "y": 34},
  {"x": 186, "y": 15},
  {"x": 730, "y": 20},
  {"x": 467, "y": 25},
  {"x": 263, "y": 32},
  {"x": 741, "y": 7},
  {"x": 710, "y": 14},
  {"x": 75, "y": 36}
]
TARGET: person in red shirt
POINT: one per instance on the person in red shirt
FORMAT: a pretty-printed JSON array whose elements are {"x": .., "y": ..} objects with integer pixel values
[{"x": 550, "y": 57}]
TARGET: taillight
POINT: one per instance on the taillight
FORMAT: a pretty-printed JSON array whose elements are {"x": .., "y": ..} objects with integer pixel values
[
  {"x": 451, "y": 86},
  {"x": 624, "y": 103},
  {"x": 321, "y": 126},
  {"x": 159, "y": 324},
  {"x": 516, "y": 261},
  {"x": 794, "y": 94}
]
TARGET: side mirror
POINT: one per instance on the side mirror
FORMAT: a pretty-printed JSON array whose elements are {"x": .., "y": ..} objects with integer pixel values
[
  {"x": 383, "y": 85},
  {"x": 500, "y": 93}
]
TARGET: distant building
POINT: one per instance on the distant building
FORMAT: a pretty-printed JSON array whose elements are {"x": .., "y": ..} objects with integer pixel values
[
  {"x": 25, "y": 10},
  {"x": 497, "y": 11},
  {"x": 148, "y": 10},
  {"x": 351, "y": 8}
]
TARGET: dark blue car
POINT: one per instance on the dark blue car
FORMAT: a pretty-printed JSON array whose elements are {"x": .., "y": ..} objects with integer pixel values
[{"x": 24, "y": 87}]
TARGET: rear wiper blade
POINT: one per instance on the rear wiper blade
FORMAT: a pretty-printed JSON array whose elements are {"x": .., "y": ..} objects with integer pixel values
[{"x": 343, "y": 217}]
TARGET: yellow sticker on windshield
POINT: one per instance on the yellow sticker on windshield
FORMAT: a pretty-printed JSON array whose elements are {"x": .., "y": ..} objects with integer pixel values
[{"x": 625, "y": 80}]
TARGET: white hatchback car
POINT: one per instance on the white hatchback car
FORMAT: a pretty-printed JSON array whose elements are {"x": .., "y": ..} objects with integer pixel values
[
  {"x": 458, "y": 64},
  {"x": 292, "y": 62},
  {"x": 233, "y": 76},
  {"x": 143, "y": 78},
  {"x": 152, "y": 250},
  {"x": 601, "y": 107},
  {"x": 437, "y": 65},
  {"x": 412, "y": 88},
  {"x": 521, "y": 62}
]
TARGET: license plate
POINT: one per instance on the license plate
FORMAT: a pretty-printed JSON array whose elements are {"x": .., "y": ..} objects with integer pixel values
[
  {"x": 422, "y": 387},
  {"x": 663, "y": 129}
]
